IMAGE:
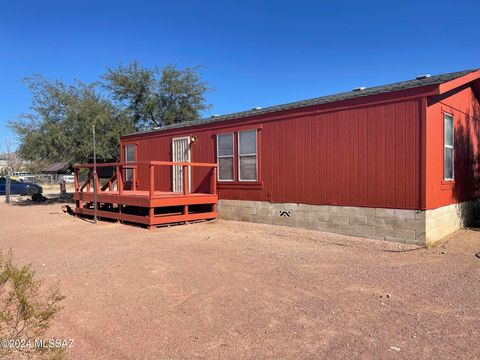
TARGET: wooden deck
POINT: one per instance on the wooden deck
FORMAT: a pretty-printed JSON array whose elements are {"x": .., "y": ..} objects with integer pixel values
[{"x": 147, "y": 207}]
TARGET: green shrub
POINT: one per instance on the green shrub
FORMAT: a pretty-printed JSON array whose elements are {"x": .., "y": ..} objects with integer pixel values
[{"x": 26, "y": 310}]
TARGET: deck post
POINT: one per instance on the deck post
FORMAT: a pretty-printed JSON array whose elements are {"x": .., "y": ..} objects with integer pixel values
[
  {"x": 120, "y": 206},
  {"x": 97, "y": 183},
  {"x": 88, "y": 181},
  {"x": 134, "y": 178},
  {"x": 151, "y": 215},
  {"x": 119, "y": 180},
  {"x": 75, "y": 178},
  {"x": 152, "y": 180},
  {"x": 151, "y": 210},
  {"x": 185, "y": 190},
  {"x": 214, "y": 180},
  {"x": 185, "y": 179},
  {"x": 214, "y": 186}
]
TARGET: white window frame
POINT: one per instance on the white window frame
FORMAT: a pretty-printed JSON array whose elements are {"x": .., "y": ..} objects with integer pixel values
[
  {"x": 253, "y": 154},
  {"x": 445, "y": 146},
  {"x": 226, "y": 156},
  {"x": 126, "y": 152},
  {"x": 129, "y": 170}
]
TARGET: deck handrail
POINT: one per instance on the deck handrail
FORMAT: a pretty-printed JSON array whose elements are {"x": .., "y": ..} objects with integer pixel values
[{"x": 136, "y": 163}]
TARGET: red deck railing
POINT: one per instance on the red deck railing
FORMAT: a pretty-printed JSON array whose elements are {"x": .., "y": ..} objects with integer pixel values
[
  {"x": 119, "y": 192},
  {"x": 119, "y": 180}
]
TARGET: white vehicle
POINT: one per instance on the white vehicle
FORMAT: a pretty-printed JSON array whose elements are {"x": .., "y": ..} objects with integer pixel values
[
  {"x": 21, "y": 175},
  {"x": 69, "y": 179}
]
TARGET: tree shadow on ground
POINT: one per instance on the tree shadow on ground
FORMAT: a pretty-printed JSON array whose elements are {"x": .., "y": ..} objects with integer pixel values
[{"x": 51, "y": 199}]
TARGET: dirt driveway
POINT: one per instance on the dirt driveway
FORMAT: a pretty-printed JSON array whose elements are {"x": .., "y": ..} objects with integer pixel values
[{"x": 248, "y": 291}]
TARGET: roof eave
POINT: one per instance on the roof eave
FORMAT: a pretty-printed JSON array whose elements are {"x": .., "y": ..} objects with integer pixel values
[{"x": 460, "y": 81}]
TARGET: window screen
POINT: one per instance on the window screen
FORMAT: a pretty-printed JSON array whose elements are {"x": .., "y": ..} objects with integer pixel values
[
  {"x": 225, "y": 157},
  {"x": 247, "y": 155},
  {"x": 129, "y": 153},
  {"x": 448, "y": 141}
]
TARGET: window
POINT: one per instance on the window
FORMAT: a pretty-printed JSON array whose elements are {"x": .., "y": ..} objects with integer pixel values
[
  {"x": 247, "y": 155},
  {"x": 129, "y": 157},
  {"x": 448, "y": 140},
  {"x": 225, "y": 157},
  {"x": 237, "y": 156},
  {"x": 129, "y": 153}
]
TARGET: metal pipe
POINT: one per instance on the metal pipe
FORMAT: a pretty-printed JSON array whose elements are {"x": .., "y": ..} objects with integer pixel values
[{"x": 7, "y": 189}]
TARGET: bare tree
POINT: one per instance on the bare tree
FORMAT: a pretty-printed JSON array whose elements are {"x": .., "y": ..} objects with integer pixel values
[{"x": 13, "y": 161}]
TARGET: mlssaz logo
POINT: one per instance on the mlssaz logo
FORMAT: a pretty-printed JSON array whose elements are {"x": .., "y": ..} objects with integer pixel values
[{"x": 285, "y": 213}]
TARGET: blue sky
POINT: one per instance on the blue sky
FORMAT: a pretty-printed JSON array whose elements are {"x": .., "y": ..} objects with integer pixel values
[{"x": 254, "y": 53}]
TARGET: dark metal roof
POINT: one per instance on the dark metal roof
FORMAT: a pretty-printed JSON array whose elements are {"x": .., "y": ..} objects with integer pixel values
[
  {"x": 56, "y": 167},
  {"x": 432, "y": 80}
]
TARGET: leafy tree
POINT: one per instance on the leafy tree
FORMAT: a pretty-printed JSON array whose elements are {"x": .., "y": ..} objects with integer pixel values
[
  {"x": 157, "y": 97},
  {"x": 60, "y": 125},
  {"x": 132, "y": 97}
]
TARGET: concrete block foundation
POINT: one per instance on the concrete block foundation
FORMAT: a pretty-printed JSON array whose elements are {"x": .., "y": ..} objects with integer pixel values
[
  {"x": 445, "y": 220},
  {"x": 399, "y": 225}
]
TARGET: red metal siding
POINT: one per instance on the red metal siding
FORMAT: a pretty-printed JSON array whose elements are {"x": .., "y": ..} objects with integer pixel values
[
  {"x": 363, "y": 156},
  {"x": 465, "y": 108}
]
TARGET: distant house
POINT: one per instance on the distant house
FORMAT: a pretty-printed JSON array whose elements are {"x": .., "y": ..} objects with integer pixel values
[
  {"x": 394, "y": 162},
  {"x": 57, "y": 169}
]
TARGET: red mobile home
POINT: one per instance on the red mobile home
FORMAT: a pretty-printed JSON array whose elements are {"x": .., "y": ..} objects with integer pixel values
[{"x": 395, "y": 162}]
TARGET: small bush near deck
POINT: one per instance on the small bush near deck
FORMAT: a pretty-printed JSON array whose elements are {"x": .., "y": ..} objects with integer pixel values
[{"x": 25, "y": 312}]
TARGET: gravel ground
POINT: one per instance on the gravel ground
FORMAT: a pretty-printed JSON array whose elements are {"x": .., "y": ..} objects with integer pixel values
[{"x": 235, "y": 290}]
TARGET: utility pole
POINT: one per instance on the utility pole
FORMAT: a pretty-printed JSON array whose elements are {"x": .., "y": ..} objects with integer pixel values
[
  {"x": 7, "y": 189},
  {"x": 94, "y": 177}
]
